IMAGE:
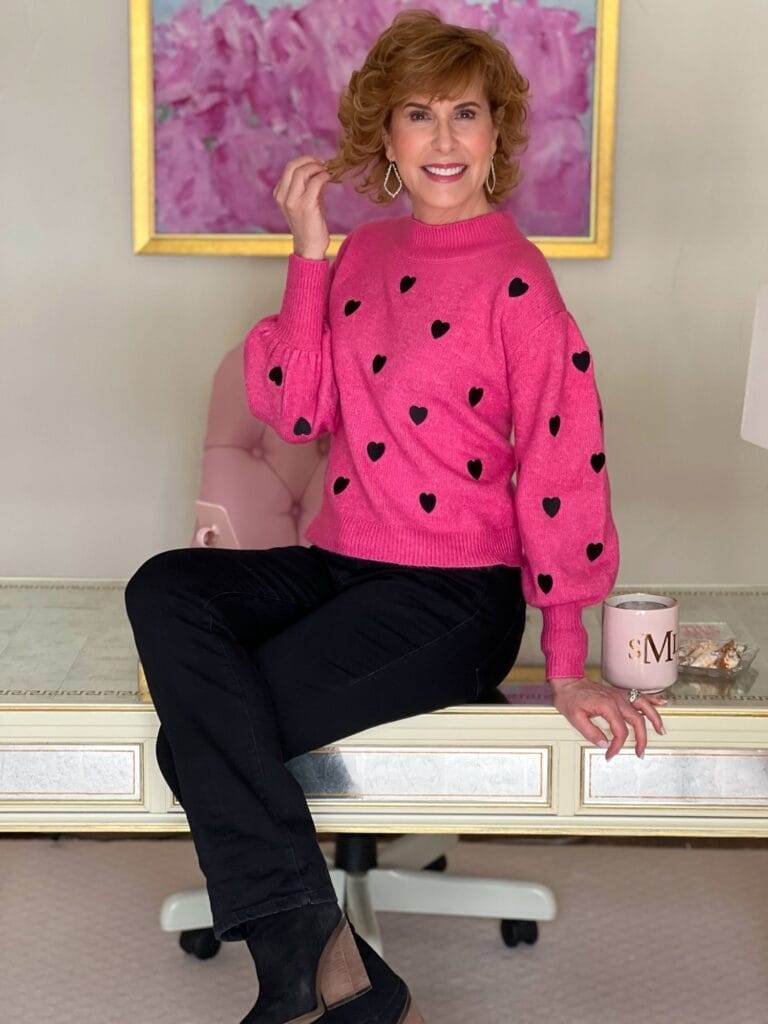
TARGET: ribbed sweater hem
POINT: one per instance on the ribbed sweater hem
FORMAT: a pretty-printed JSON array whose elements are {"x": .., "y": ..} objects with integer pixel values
[
  {"x": 362, "y": 538},
  {"x": 564, "y": 640}
]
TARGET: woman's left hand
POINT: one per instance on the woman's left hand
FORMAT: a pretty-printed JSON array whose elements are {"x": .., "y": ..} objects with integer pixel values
[{"x": 579, "y": 699}]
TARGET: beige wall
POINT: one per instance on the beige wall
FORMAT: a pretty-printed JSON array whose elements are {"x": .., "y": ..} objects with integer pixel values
[{"x": 107, "y": 357}]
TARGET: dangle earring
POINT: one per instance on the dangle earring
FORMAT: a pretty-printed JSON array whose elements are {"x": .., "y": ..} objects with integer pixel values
[
  {"x": 386, "y": 178},
  {"x": 493, "y": 186}
]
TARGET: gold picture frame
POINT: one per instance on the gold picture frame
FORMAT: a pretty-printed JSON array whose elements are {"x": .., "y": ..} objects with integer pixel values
[{"x": 146, "y": 239}]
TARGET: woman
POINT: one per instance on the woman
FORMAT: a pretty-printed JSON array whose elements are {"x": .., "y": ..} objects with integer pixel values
[{"x": 431, "y": 335}]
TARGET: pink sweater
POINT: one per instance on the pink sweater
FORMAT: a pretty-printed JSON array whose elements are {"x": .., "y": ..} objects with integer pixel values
[{"x": 419, "y": 349}]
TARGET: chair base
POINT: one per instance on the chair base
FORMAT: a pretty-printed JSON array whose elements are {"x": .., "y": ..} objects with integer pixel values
[{"x": 398, "y": 882}]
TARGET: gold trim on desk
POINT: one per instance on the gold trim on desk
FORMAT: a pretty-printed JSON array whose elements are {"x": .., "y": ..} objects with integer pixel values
[
  {"x": 518, "y": 674},
  {"x": 635, "y": 830},
  {"x": 144, "y": 695},
  {"x": 667, "y": 711}
]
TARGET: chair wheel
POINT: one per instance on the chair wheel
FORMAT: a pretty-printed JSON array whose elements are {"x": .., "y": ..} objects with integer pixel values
[
  {"x": 514, "y": 932},
  {"x": 200, "y": 942},
  {"x": 438, "y": 864}
]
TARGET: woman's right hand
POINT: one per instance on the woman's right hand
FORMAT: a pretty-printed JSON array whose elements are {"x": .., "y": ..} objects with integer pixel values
[{"x": 298, "y": 194}]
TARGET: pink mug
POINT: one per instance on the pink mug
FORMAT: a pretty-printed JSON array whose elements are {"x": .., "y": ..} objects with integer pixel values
[{"x": 639, "y": 643}]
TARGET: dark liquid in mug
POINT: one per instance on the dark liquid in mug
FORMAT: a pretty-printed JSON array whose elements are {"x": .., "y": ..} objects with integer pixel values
[{"x": 641, "y": 606}]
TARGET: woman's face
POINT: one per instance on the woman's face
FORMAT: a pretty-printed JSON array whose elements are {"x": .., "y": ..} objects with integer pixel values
[{"x": 443, "y": 134}]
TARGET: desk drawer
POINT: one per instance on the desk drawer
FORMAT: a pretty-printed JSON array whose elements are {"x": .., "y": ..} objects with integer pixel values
[
  {"x": 694, "y": 779},
  {"x": 64, "y": 774},
  {"x": 428, "y": 775}
]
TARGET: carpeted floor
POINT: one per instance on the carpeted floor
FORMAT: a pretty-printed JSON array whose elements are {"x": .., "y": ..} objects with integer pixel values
[{"x": 649, "y": 932}]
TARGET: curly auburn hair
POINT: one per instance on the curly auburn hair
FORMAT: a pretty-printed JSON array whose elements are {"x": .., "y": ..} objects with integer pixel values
[{"x": 419, "y": 53}]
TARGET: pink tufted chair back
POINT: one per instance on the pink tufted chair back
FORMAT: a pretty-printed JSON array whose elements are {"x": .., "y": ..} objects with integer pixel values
[{"x": 257, "y": 490}]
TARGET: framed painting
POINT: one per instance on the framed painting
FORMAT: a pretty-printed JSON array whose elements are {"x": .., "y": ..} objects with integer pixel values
[{"x": 225, "y": 92}]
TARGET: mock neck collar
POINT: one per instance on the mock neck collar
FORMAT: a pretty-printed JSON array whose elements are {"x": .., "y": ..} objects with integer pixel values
[{"x": 457, "y": 238}]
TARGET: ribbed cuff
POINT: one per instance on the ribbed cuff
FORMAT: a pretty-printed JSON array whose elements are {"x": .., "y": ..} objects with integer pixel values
[
  {"x": 564, "y": 641},
  {"x": 303, "y": 309}
]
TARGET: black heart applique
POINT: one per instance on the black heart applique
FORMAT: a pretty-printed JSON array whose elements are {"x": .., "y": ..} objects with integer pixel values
[
  {"x": 301, "y": 426},
  {"x": 375, "y": 450},
  {"x": 439, "y": 327},
  {"x": 593, "y": 550},
  {"x": 475, "y": 394},
  {"x": 551, "y": 506},
  {"x": 545, "y": 582},
  {"x": 276, "y": 374},
  {"x": 475, "y": 467},
  {"x": 350, "y": 306},
  {"x": 581, "y": 360},
  {"x": 427, "y": 501},
  {"x": 554, "y": 425},
  {"x": 406, "y": 283},
  {"x": 418, "y": 414},
  {"x": 517, "y": 287},
  {"x": 598, "y": 461},
  {"x": 378, "y": 363},
  {"x": 339, "y": 484}
]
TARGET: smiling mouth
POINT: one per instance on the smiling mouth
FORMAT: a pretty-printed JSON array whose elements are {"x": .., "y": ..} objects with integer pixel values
[{"x": 450, "y": 173}]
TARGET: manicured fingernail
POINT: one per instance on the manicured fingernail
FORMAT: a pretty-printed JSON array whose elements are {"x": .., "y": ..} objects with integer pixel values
[
  {"x": 641, "y": 755},
  {"x": 602, "y": 743},
  {"x": 664, "y": 731}
]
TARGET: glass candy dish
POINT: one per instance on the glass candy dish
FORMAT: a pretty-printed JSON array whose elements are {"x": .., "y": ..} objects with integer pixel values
[{"x": 711, "y": 650}]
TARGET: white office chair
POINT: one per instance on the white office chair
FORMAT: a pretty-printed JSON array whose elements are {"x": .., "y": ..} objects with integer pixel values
[{"x": 406, "y": 878}]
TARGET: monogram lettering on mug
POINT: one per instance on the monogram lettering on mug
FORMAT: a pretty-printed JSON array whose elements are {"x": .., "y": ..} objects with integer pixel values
[{"x": 639, "y": 648}]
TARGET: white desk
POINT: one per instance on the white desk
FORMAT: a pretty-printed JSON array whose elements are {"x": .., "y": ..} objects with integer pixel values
[{"x": 77, "y": 740}]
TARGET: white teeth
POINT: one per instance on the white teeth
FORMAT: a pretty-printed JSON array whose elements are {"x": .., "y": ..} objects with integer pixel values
[{"x": 446, "y": 173}]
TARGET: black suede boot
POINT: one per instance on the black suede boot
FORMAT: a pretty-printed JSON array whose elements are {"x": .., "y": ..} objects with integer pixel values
[
  {"x": 306, "y": 961},
  {"x": 387, "y": 1002}
]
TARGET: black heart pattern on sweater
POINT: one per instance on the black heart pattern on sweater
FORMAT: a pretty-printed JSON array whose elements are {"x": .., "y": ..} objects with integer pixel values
[
  {"x": 545, "y": 582},
  {"x": 301, "y": 426},
  {"x": 276, "y": 375},
  {"x": 418, "y": 414},
  {"x": 581, "y": 360}
]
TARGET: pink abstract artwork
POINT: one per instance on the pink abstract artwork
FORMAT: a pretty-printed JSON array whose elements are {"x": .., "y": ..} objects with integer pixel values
[{"x": 241, "y": 87}]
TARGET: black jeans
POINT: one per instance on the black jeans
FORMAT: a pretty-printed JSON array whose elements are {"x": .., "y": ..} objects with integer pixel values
[{"x": 253, "y": 657}]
